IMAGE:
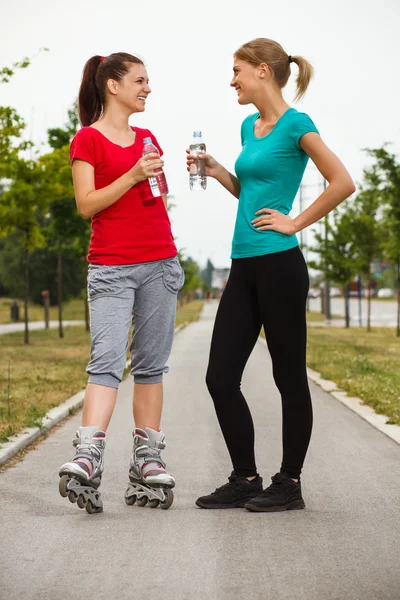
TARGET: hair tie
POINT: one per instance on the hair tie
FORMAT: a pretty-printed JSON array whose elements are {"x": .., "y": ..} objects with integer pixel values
[
  {"x": 102, "y": 58},
  {"x": 290, "y": 58}
]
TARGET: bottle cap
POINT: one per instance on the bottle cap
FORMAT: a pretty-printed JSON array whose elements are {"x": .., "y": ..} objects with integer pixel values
[
  {"x": 147, "y": 140},
  {"x": 197, "y": 133}
]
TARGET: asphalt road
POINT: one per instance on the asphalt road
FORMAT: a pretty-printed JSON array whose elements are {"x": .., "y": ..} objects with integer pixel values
[{"x": 344, "y": 546}]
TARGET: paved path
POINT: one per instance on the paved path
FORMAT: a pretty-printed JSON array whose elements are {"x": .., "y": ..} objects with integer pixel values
[
  {"x": 383, "y": 313},
  {"x": 344, "y": 546},
  {"x": 15, "y": 327}
]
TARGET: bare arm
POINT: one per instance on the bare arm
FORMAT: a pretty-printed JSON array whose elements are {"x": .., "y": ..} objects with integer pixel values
[
  {"x": 229, "y": 181},
  {"x": 340, "y": 187},
  {"x": 90, "y": 201}
]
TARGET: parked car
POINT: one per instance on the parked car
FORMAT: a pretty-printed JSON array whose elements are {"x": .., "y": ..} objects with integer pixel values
[
  {"x": 369, "y": 293},
  {"x": 313, "y": 293},
  {"x": 386, "y": 293},
  {"x": 335, "y": 292}
]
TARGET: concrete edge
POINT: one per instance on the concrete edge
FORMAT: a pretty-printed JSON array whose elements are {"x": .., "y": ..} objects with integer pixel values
[
  {"x": 55, "y": 415},
  {"x": 355, "y": 404}
]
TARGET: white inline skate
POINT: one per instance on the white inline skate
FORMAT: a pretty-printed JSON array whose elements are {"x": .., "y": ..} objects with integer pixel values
[
  {"x": 149, "y": 482},
  {"x": 81, "y": 478}
]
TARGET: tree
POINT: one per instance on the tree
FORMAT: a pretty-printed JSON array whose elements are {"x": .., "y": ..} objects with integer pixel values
[
  {"x": 387, "y": 181},
  {"x": 366, "y": 234},
  {"x": 65, "y": 231},
  {"x": 61, "y": 137},
  {"x": 6, "y": 73},
  {"x": 206, "y": 274},
  {"x": 11, "y": 145},
  {"x": 336, "y": 253},
  {"x": 19, "y": 209},
  {"x": 19, "y": 202},
  {"x": 192, "y": 278}
]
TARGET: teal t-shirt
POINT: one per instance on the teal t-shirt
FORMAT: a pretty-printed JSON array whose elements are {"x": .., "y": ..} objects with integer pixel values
[{"x": 270, "y": 170}]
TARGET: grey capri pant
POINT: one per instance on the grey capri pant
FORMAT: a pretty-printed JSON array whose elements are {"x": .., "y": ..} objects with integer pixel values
[{"x": 145, "y": 293}]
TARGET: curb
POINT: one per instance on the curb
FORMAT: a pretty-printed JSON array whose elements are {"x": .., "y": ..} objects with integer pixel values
[
  {"x": 20, "y": 441},
  {"x": 353, "y": 403}
]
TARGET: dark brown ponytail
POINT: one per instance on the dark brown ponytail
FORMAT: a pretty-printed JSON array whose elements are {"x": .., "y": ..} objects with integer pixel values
[{"x": 97, "y": 71}]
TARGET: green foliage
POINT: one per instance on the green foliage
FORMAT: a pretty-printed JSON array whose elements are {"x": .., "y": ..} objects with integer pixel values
[
  {"x": 206, "y": 275},
  {"x": 387, "y": 185},
  {"x": 336, "y": 251},
  {"x": 6, "y": 73},
  {"x": 20, "y": 205},
  {"x": 384, "y": 182},
  {"x": 192, "y": 274},
  {"x": 11, "y": 129},
  {"x": 60, "y": 137}
]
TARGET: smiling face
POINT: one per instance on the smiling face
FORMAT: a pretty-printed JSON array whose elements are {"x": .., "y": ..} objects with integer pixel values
[
  {"x": 132, "y": 90},
  {"x": 246, "y": 81},
  {"x": 249, "y": 80}
]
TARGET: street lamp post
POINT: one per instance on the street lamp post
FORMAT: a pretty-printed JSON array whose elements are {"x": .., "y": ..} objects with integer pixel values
[
  {"x": 325, "y": 296},
  {"x": 327, "y": 283}
]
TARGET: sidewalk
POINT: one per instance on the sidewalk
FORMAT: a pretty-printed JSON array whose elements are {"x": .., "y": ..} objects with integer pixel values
[
  {"x": 344, "y": 546},
  {"x": 15, "y": 327}
]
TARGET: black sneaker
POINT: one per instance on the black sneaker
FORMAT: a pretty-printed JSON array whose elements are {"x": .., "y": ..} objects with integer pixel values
[
  {"x": 282, "y": 494},
  {"x": 234, "y": 494}
]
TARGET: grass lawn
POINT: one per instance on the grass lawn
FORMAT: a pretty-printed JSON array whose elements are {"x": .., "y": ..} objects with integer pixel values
[
  {"x": 366, "y": 365},
  {"x": 318, "y": 317},
  {"x": 74, "y": 310},
  {"x": 48, "y": 371}
]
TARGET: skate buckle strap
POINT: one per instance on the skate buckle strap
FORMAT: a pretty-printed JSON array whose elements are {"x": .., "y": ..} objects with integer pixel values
[
  {"x": 154, "y": 459},
  {"x": 140, "y": 441},
  {"x": 99, "y": 442}
]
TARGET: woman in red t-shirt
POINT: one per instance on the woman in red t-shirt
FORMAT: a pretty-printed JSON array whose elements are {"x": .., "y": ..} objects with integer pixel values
[{"x": 134, "y": 276}]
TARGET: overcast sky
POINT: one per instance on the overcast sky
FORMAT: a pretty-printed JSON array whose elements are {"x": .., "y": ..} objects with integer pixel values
[{"x": 187, "y": 48}]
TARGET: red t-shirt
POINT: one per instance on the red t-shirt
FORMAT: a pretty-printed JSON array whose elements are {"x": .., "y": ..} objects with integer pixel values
[{"x": 133, "y": 229}]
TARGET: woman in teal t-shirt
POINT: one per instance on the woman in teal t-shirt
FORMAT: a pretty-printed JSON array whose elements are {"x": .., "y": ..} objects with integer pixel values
[{"x": 268, "y": 282}]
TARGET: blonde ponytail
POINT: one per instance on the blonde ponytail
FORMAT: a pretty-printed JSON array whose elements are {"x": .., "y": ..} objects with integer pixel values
[
  {"x": 264, "y": 50},
  {"x": 306, "y": 71}
]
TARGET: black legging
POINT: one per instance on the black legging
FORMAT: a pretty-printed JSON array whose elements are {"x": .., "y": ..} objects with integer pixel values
[{"x": 269, "y": 290}]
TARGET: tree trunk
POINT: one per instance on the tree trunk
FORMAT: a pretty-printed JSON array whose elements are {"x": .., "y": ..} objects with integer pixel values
[
  {"x": 398, "y": 299},
  {"x": 26, "y": 295},
  {"x": 87, "y": 326},
  {"x": 346, "y": 305},
  {"x": 85, "y": 296},
  {"x": 359, "y": 301},
  {"x": 369, "y": 306},
  {"x": 59, "y": 293},
  {"x": 328, "y": 314}
]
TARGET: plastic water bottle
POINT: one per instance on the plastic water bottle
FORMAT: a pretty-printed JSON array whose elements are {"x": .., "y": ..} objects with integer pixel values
[
  {"x": 158, "y": 184},
  {"x": 197, "y": 174}
]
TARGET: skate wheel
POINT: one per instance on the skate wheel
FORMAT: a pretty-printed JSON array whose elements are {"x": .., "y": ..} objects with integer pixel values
[
  {"x": 154, "y": 503},
  {"x": 63, "y": 486},
  {"x": 93, "y": 509},
  {"x": 130, "y": 500},
  {"x": 81, "y": 501},
  {"x": 72, "y": 497},
  {"x": 169, "y": 498},
  {"x": 142, "y": 501}
]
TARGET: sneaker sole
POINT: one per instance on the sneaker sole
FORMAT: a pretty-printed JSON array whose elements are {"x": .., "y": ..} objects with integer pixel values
[
  {"x": 241, "y": 504},
  {"x": 297, "y": 505}
]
